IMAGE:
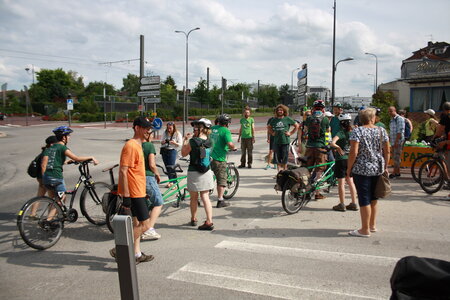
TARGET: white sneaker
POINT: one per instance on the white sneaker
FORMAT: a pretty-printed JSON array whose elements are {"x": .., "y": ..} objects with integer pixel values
[{"x": 150, "y": 235}]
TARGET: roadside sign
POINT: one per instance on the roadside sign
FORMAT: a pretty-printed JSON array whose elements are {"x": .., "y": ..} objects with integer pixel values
[
  {"x": 151, "y": 87},
  {"x": 152, "y": 100},
  {"x": 141, "y": 107},
  {"x": 148, "y": 93},
  {"x": 150, "y": 80},
  {"x": 69, "y": 104},
  {"x": 157, "y": 123}
]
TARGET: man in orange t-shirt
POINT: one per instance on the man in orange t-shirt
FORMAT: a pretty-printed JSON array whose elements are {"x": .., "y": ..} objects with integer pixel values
[{"x": 132, "y": 184}]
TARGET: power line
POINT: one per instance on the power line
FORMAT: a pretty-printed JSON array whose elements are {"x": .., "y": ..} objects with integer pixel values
[{"x": 39, "y": 54}]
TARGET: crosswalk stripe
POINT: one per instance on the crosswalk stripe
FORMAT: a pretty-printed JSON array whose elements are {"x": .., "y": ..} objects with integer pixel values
[
  {"x": 309, "y": 253},
  {"x": 267, "y": 283}
]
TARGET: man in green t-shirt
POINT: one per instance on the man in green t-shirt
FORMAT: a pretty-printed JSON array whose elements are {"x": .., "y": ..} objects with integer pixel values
[
  {"x": 316, "y": 126},
  {"x": 222, "y": 142},
  {"x": 279, "y": 128},
  {"x": 247, "y": 138},
  {"x": 334, "y": 123}
]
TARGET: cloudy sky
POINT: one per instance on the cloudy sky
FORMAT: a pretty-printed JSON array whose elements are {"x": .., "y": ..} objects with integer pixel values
[{"x": 241, "y": 40}]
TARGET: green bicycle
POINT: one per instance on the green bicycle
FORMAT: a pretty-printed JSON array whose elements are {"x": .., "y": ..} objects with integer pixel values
[
  {"x": 294, "y": 200},
  {"x": 175, "y": 194}
]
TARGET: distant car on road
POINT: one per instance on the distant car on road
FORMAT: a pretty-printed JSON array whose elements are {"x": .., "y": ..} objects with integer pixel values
[{"x": 2, "y": 116}]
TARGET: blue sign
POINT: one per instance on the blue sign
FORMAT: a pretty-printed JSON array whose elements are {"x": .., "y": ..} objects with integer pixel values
[
  {"x": 69, "y": 101},
  {"x": 302, "y": 74},
  {"x": 157, "y": 123}
]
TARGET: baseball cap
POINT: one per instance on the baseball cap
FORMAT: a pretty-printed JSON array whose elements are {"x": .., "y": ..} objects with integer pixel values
[
  {"x": 430, "y": 112},
  {"x": 142, "y": 122}
]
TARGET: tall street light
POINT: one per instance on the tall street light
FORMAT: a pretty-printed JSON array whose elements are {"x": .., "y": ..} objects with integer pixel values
[
  {"x": 187, "y": 58},
  {"x": 334, "y": 71},
  {"x": 376, "y": 69},
  {"x": 32, "y": 71}
]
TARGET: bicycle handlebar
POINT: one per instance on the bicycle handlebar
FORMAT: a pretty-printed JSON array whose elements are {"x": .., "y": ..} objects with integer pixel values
[
  {"x": 176, "y": 168},
  {"x": 84, "y": 162}
]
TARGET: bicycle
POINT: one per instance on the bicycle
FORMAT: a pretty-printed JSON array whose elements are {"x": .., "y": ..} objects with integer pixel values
[
  {"x": 232, "y": 174},
  {"x": 433, "y": 174},
  {"x": 293, "y": 201},
  {"x": 41, "y": 219},
  {"x": 175, "y": 194}
]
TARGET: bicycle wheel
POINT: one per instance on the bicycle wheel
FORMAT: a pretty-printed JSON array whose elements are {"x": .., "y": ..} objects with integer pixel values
[
  {"x": 40, "y": 223},
  {"x": 418, "y": 161},
  {"x": 91, "y": 202},
  {"x": 232, "y": 182},
  {"x": 113, "y": 208},
  {"x": 431, "y": 176},
  {"x": 292, "y": 202}
]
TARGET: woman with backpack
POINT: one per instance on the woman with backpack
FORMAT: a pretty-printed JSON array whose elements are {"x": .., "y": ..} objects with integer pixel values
[
  {"x": 42, "y": 190},
  {"x": 199, "y": 177},
  {"x": 170, "y": 143},
  {"x": 341, "y": 146}
]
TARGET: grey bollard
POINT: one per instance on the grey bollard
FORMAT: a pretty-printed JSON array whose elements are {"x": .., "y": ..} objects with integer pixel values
[{"x": 126, "y": 262}]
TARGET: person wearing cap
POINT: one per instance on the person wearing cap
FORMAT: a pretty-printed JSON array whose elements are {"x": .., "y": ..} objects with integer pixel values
[
  {"x": 199, "y": 182},
  {"x": 170, "y": 143},
  {"x": 334, "y": 122},
  {"x": 132, "y": 185},
  {"x": 222, "y": 142},
  {"x": 431, "y": 125}
]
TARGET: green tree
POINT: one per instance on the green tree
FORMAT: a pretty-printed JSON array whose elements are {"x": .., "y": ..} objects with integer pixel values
[
  {"x": 311, "y": 98},
  {"x": 168, "y": 94},
  {"x": 383, "y": 100},
  {"x": 95, "y": 88},
  {"x": 170, "y": 81},
  {"x": 285, "y": 95},
  {"x": 53, "y": 86},
  {"x": 268, "y": 95},
  {"x": 201, "y": 92},
  {"x": 131, "y": 84}
]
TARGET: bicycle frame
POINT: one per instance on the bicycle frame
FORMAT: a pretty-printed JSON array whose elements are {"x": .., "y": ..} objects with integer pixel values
[
  {"x": 321, "y": 182},
  {"x": 171, "y": 191}
]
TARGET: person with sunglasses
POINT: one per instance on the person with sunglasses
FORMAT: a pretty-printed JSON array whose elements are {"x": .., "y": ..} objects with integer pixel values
[{"x": 170, "y": 144}]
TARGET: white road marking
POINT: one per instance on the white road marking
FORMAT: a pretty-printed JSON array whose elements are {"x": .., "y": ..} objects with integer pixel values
[
  {"x": 267, "y": 283},
  {"x": 309, "y": 253}
]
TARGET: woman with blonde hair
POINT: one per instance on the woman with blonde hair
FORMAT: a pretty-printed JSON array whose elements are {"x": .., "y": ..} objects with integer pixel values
[
  {"x": 199, "y": 182},
  {"x": 170, "y": 143},
  {"x": 368, "y": 159}
]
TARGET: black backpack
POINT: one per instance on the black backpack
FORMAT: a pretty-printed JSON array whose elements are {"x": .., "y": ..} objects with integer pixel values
[
  {"x": 417, "y": 278},
  {"x": 204, "y": 155},
  {"x": 35, "y": 166},
  {"x": 314, "y": 128}
]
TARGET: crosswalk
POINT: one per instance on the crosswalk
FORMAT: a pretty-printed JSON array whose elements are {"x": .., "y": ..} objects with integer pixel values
[{"x": 291, "y": 281}]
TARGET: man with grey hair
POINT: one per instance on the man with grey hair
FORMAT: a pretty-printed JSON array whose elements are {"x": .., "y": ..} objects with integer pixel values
[{"x": 396, "y": 138}]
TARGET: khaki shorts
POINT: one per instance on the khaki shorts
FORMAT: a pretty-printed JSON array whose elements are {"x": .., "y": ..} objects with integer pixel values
[
  {"x": 316, "y": 156},
  {"x": 220, "y": 170}
]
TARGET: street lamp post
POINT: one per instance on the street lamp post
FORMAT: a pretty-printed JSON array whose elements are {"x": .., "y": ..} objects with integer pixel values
[
  {"x": 374, "y": 83},
  {"x": 334, "y": 71},
  {"x": 32, "y": 71},
  {"x": 376, "y": 69},
  {"x": 186, "y": 87}
]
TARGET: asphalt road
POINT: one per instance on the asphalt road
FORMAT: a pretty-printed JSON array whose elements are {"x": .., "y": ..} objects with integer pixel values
[{"x": 255, "y": 252}]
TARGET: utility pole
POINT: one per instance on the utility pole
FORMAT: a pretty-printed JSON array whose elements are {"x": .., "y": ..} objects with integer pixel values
[{"x": 141, "y": 69}]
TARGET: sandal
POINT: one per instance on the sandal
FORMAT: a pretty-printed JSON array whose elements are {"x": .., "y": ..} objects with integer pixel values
[{"x": 358, "y": 234}]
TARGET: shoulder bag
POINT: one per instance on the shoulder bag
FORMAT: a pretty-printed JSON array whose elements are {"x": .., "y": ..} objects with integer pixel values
[{"x": 383, "y": 187}]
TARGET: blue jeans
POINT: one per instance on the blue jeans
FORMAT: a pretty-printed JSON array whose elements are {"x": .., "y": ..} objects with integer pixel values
[
  {"x": 170, "y": 158},
  {"x": 153, "y": 191},
  {"x": 365, "y": 188}
]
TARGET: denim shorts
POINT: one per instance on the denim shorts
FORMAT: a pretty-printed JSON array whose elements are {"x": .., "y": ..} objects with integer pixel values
[
  {"x": 153, "y": 191},
  {"x": 54, "y": 184},
  {"x": 365, "y": 188}
]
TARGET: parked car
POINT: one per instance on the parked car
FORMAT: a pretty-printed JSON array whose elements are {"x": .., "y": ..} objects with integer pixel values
[{"x": 2, "y": 116}]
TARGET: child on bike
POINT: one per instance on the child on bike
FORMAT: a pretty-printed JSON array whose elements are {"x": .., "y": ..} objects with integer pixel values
[
  {"x": 341, "y": 147},
  {"x": 53, "y": 160}
]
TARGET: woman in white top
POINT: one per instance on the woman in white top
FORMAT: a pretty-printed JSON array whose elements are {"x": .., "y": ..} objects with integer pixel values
[{"x": 170, "y": 144}]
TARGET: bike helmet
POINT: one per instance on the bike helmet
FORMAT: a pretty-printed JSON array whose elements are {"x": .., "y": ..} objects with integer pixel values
[
  {"x": 205, "y": 122},
  {"x": 344, "y": 117},
  {"x": 319, "y": 103},
  {"x": 224, "y": 119},
  {"x": 62, "y": 130}
]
